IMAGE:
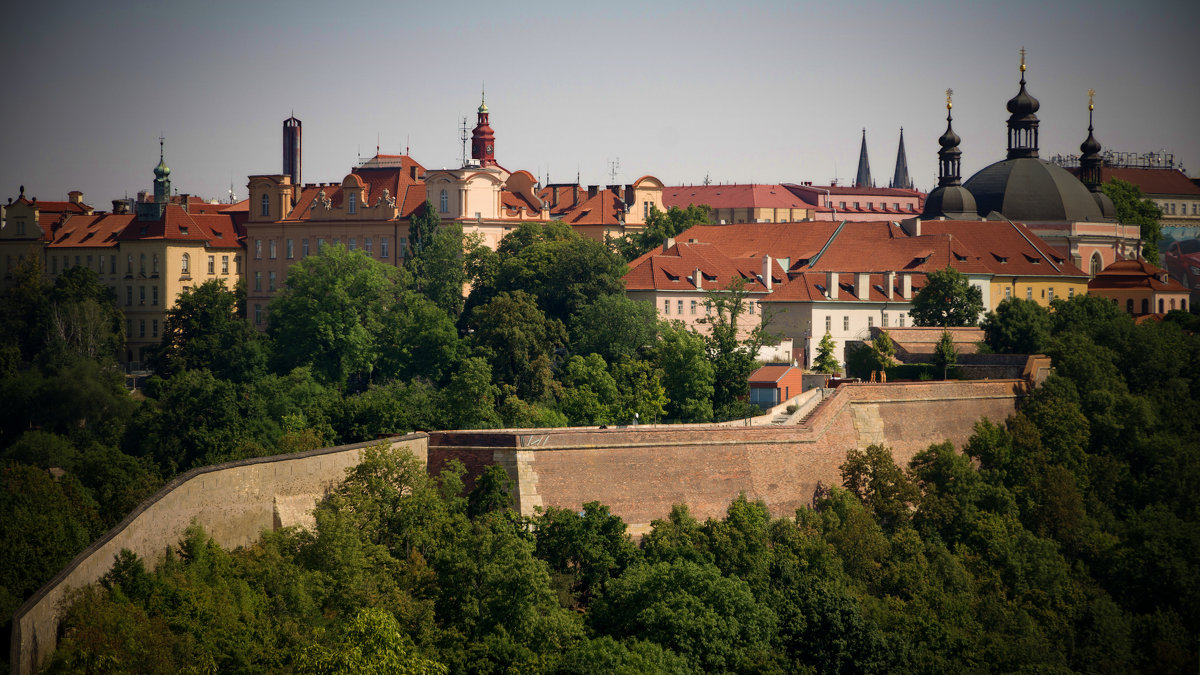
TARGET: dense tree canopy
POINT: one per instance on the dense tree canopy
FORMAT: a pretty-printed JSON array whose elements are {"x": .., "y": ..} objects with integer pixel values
[
  {"x": 947, "y": 299},
  {"x": 1134, "y": 209}
]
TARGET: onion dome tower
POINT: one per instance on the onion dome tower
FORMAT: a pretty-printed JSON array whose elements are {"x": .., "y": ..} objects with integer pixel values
[
  {"x": 1024, "y": 187},
  {"x": 1023, "y": 122},
  {"x": 949, "y": 199},
  {"x": 901, "y": 179},
  {"x": 863, "y": 179},
  {"x": 483, "y": 139},
  {"x": 1091, "y": 163},
  {"x": 162, "y": 177}
]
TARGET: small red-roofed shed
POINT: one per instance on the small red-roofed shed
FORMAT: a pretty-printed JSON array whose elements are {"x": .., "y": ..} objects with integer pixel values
[{"x": 774, "y": 384}]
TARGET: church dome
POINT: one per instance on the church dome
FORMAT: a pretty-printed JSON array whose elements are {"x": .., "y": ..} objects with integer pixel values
[
  {"x": 1107, "y": 208},
  {"x": 1023, "y": 104},
  {"x": 951, "y": 201},
  {"x": 161, "y": 171},
  {"x": 1032, "y": 189}
]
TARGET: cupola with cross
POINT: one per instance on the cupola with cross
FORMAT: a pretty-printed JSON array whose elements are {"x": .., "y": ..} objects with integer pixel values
[{"x": 483, "y": 139}]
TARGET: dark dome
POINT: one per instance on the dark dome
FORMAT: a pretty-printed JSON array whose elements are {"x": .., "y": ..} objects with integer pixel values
[
  {"x": 1023, "y": 104},
  {"x": 949, "y": 139},
  {"x": 1107, "y": 209},
  {"x": 1031, "y": 189},
  {"x": 1090, "y": 145},
  {"x": 952, "y": 201}
]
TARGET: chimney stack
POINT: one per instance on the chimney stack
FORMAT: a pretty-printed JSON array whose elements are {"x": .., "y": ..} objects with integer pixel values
[
  {"x": 831, "y": 285},
  {"x": 889, "y": 284},
  {"x": 766, "y": 272},
  {"x": 906, "y": 286},
  {"x": 698, "y": 279},
  {"x": 862, "y": 285},
  {"x": 75, "y": 197},
  {"x": 617, "y": 191},
  {"x": 668, "y": 244},
  {"x": 592, "y": 190}
]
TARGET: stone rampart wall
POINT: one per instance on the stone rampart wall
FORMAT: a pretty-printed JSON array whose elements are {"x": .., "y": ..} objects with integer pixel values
[{"x": 234, "y": 502}]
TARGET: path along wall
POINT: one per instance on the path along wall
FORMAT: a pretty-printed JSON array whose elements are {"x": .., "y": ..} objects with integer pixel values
[
  {"x": 234, "y": 502},
  {"x": 640, "y": 472}
]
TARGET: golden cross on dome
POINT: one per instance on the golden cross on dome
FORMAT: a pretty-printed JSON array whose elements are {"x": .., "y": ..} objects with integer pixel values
[
  {"x": 949, "y": 93},
  {"x": 1022, "y": 59},
  {"x": 1091, "y": 94}
]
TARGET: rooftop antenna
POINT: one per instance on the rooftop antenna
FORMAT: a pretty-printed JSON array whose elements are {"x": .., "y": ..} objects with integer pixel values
[
  {"x": 463, "y": 136},
  {"x": 613, "y": 167},
  {"x": 577, "y": 175},
  {"x": 377, "y": 136},
  {"x": 707, "y": 180},
  {"x": 407, "y": 138}
]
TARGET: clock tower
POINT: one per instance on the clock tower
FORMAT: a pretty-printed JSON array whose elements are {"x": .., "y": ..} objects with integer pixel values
[{"x": 483, "y": 140}]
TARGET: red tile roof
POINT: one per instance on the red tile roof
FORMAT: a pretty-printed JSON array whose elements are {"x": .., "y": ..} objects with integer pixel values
[
  {"x": 732, "y": 196},
  {"x": 1125, "y": 275},
  {"x": 1152, "y": 181},
  {"x": 770, "y": 373},
  {"x": 603, "y": 209},
  {"x": 216, "y": 230}
]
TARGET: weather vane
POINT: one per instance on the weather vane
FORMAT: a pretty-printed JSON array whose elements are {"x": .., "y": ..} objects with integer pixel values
[
  {"x": 1022, "y": 59},
  {"x": 949, "y": 93},
  {"x": 1091, "y": 95}
]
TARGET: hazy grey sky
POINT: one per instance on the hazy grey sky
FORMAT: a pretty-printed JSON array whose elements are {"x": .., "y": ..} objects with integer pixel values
[{"x": 741, "y": 92}]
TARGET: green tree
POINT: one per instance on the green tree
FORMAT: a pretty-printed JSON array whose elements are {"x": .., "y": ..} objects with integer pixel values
[
  {"x": 422, "y": 226},
  {"x": 877, "y": 355},
  {"x": 874, "y": 478},
  {"x": 945, "y": 354},
  {"x": 82, "y": 319},
  {"x": 332, "y": 312},
  {"x": 206, "y": 328},
  {"x": 733, "y": 356},
  {"x": 436, "y": 260},
  {"x": 826, "y": 362},
  {"x": 1017, "y": 327},
  {"x": 688, "y": 376},
  {"x": 947, "y": 299},
  {"x": 641, "y": 394},
  {"x": 588, "y": 548},
  {"x": 1134, "y": 209},
  {"x": 590, "y": 393},
  {"x": 613, "y": 326},
  {"x": 659, "y": 227},
  {"x": 372, "y": 642},
  {"x": 519, "y": 340}
]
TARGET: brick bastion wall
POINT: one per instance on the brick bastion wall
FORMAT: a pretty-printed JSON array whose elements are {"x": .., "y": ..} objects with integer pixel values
[
  {"x": 234, "y": 502},
  {"x": 640, "y": 472}
]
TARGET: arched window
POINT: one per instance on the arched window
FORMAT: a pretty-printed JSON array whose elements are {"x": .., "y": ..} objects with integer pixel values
[
  {"x": 445, "y": 202},
  {"x": 154, "y": 264},
  {"x": 266, "y": 204},
  {"x": 1129, "y": 306},
  {"x": 1160, "y": 306},
  {"x": 1172, "y": 303},
  {"x": 185, "y": 265},
  {"x": 353, "y": 203},
  {"x": 1096, "y": 263},
  {"x": 1145, "y": 305}
]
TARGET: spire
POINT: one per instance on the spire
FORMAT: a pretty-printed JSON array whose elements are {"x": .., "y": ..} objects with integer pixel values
[
  {"x": 1090, "y": 161},
  {"x": 162, "y": 180},
  {"x": 1022, "y": 122},
  {"x": 900, "y": 178},
  {"x": 483, "y": 139},
  {"x": 949, "y": 156},
  {"x": 864, "y": 166}
]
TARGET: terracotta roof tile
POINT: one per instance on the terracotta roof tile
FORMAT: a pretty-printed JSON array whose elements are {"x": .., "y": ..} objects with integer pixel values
[
  {"x": 732, "y": 196},
  {"x": 1151, "y": 181}
]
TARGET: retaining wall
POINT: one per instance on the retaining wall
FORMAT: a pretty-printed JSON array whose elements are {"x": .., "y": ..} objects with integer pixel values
[
  {"x": 234, "y": 502},
  {"x": 641, "y": 472}
]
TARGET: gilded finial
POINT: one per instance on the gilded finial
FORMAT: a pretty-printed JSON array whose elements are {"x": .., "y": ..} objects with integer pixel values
[
  {"x": 949, "y": 94},
  {"x": 1091, "y": 95},
  {"x": 1022, "y": 59}
]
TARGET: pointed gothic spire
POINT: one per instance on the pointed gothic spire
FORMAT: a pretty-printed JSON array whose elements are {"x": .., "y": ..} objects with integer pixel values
[
  {"x": 864, "y": 166},
  {"x": 900, "y": 178}
]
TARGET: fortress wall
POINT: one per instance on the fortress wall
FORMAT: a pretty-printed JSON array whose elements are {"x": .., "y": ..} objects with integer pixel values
[
  {"x": 234, "y": 502},
  {"x": 640, "y": 472}
]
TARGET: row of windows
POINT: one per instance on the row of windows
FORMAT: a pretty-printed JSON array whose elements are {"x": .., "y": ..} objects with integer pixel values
[
  {"x": 351, "y": 243},
  {"x": 141, "y": 295},
  {"x": 886, "y": 321},
  {"x": 1162, "y": 305},
  {"x": 141, "y": 328},
  {"x": 1168, "y": 208},
  {"x": 185, "y": 264},
  {"x": 1047, "y": 293},
  {"x": 871, "y": 205}
]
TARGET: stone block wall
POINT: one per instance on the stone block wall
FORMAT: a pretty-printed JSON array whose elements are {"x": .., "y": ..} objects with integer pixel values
[{"x": 234, "y": 502}]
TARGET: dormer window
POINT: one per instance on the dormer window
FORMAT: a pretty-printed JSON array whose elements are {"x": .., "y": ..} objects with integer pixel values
[
  {"x": 353, "y": 203},
  {"x": 266, "y": 205}
]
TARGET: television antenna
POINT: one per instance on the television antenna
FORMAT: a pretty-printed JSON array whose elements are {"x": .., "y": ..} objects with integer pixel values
[
  {"x": 614, "y": 167},
  {"x": 463, "y": 135}
]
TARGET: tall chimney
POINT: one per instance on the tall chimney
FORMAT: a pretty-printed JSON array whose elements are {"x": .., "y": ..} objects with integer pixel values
[
  {"x": 592, "y": 190},
  {"x": 668, "y": 244},
  {"x": 291, "y": 149},
  {"x": 766, "y": 272},
  {"x": 698, "y": 279},
  {"x": 906, "y": 286},
  {"x": 862, "y": 285},
  {"x": 831, "y": 285},
  {"x": 889, "y": 283}
]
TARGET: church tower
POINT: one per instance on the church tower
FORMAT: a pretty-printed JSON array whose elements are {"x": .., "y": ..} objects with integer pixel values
[
  {"x": 483, "y": 139},
  {"x": 863, "y": 179},
  {"x": 1091, "y": 163},
  {"x": 1022, "y": 122},
  {"x": 153, "y": 210},
  {"x": 901, "y": 179},
  {"x": 949, "y": 199}
]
